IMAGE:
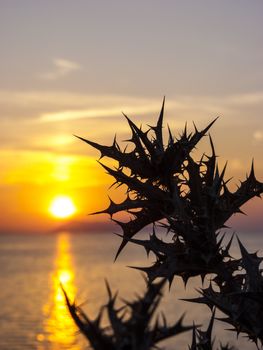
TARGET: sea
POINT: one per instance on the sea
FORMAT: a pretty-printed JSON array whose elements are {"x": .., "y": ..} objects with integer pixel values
[{"x": 33, "y": 313}]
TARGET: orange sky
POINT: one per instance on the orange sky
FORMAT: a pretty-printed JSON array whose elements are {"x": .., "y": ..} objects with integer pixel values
[{"x": 74, "y": 70}]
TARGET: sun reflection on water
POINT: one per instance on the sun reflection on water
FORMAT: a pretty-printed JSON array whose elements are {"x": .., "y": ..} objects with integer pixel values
[{"x": 59, "y": 329}]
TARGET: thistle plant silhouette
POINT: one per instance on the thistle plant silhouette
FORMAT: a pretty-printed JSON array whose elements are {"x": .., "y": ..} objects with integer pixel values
[{"x": 166, "y": 186}]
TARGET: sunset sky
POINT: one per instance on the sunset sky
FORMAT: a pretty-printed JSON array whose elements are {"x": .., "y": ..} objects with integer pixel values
[{"x": 72, "y": 67}]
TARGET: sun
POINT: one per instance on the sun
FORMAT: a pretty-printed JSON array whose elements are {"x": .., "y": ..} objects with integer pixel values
[{"x": 62, "y": 207}]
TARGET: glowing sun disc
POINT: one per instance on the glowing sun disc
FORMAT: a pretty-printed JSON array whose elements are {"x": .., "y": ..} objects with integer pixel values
[{"x": 62, "y": 207}]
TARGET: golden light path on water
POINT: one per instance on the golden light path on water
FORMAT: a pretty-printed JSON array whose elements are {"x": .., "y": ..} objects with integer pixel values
[{"x": 60, "y": 331}]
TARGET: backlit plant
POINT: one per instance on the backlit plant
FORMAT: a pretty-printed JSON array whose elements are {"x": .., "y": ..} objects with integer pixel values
[{"x": 190, "y": 198}]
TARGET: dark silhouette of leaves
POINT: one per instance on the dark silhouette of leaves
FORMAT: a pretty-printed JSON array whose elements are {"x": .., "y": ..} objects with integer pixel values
[
  {"x": 165, "y": 185},
  {"x": 132, "y": 326}
]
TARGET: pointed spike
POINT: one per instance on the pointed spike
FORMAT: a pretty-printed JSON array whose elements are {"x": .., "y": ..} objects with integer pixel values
[
  {"x": 185, "y": 130},
  {"x": 212, "y": 146},
  {"x": 210, "y": 326},
  {"x": 97, "y": 321},
  {"x": 239, "y": 211},
  {"x": 147, "y": 251},
  {"x": 153, "y": 235},
  {"x": 225, "y": 226},
  {"x": 160, "y": 123},
  {"x": 229, "y": 243},
  {"x": 243, "y": 250},
  {"x": 204, "y": 131},
  {"x": 128, "y": 119},
  {"x": 196, "y": 130},
  {"x": 91, "y": 143},
  {"x": 115, "y": 141},
  {"x": 223, "y": 172},
  {"x": 203, "y": 278},
  {"x": 193, "y": 346},
  {"x": 217, "y": 172},
  {"x": 143, "y": 269},
  {"x": 121, "y": 247},
  {"x": 120, "y": 223},
  {"x": 108, "y": 169},
  {"x": 185, "y": 280},
  {"x": 221, "y": 240},
  {"x": 170, "y": 279},
  {"x": 99, "y": 212},
  {"x": 171, "y": 139},
  {"x": 142, "y": 136},
  {"x": 252, "y": 172},
  {"x": 108, "y": 289}
]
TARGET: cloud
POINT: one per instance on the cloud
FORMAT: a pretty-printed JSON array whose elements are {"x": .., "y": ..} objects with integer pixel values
[
  {"x": 111, "y": 111},
  {"x": 56, "y": 106},
  {"x": 246, "y": 99},
  {"x": 112, "y": 105},
  {"x": 61, "y": 69}
]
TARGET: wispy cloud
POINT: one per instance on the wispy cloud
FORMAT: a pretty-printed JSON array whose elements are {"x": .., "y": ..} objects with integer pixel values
[
  {"x": 247, "y": 99},
  {"x": 112, "y": 106},
  {"x": 61, "y": 68},
  {"x": 110, "y": 111},
  {"x": 57, "y": 106}
]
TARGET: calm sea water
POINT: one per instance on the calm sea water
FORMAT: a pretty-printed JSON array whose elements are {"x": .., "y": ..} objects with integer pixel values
[{"x": 33, "y": 314}]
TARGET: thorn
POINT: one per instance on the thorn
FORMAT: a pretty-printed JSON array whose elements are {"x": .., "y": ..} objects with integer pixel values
[
  {"x": 210, "y": 326},
  {"x": 243, "y": 250},
  {"x": 229, "y": 243},
  {"x": 170, "y": 279},
  {"x": 252, "y": 172},
  {"x": 196, "y": 130},
  {"x": 121, "y": 247},
  {"x": 108, "y": 288},
  {"x": 209, "y": 125},
  {"x": 212, "y": 146}
]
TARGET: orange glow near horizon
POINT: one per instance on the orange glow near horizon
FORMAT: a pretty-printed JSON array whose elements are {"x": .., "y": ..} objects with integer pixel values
[
  {"x": 31, "y": 180},
  {"x": 62, "y": 207}
]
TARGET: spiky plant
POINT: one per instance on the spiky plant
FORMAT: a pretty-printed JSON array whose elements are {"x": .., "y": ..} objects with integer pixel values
[
  {"x": 192, "y": 200},
  {"x": 202, "y": 340},
  {"x": 132, "y": 326}
]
